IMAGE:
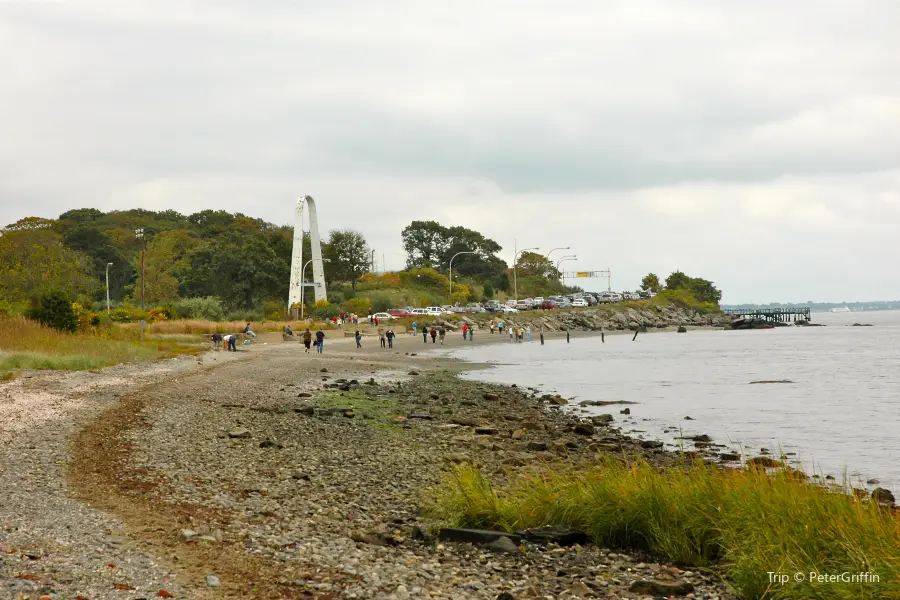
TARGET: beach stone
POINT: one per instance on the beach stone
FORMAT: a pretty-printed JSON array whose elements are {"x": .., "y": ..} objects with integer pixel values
[
  {"x": 730, "y": 456},
  {"x": 764, "y": 461},
  {"x": 554, "y": 534},
  {"x": 625, "y": 411},
  {"x": 305, "y": 410},
  {"x": 490, "y": 396},
  {"x": 474, "y": 536},
  {"x": 239, "y": 433},
  {"x": 651, "y": 444},
  {"x": 703, "y": 438},
  {"x": 682, "y": 329},
  {"x": 537, "y": 446},
  {"x": 503, "y": 545},
  {"x": 486, "y": 431},
  {"x": 213, "y": 581},
  {"x": 584, "y": 429},
  {"x": 604, "y": 419},
  {"x": 518, "y": 434},
  {"x": 456, "y": 458},
  {"x": 655, "y": 587},
  {"x": 883, "y": 496},
  {"x": 465, "y": 422}
]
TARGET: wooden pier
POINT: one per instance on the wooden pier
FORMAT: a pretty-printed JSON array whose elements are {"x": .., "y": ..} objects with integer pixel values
[{"x": 775, "y": 315}]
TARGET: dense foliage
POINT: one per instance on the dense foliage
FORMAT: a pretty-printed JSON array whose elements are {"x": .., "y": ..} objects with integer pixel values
[{"x": 216, "y": 265}]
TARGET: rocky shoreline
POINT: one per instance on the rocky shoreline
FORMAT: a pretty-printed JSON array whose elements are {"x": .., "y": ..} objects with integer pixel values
[
  {"x": 604, "y": 318},
  {"x": 286, "y": 475},
  {"x": 271, "y": 473}
]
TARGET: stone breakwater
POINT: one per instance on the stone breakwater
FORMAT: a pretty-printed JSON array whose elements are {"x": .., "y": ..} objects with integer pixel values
[{"x": 607, "y": 318}]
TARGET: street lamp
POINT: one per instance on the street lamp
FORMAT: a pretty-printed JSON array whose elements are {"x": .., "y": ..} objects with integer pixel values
[
  {"x": 451, "y": 269},
  {"x": 562, "y": 260},
  {"x": 373, "y": 262},
  {"x": 555, "y": 249},
  {"x": 139, "y": 233},
  {"x": 108, "y": 265},
  {"x": 303, "y": 277},
  {"x": 515, "y": 276}
]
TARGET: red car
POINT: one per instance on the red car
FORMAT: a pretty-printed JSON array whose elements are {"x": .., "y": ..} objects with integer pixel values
[
  {"x": 399, "y": 313},
  {"x": 548, "y": 305}
]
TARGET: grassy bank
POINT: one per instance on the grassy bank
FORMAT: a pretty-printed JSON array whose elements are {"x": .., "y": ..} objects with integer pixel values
[
  {"x": 26, "y": 344},
  {"x": 749, "y": 523}
]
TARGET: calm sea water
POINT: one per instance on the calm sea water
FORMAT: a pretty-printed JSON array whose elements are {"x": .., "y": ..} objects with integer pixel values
[{"x": 840, "y": 415}]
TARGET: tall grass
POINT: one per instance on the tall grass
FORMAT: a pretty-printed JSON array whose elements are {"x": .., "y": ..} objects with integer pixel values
[
  {"x": 25, "y": 344},
  {"x": 200, "y": 327},
  {"x": 748, "y": 522}
]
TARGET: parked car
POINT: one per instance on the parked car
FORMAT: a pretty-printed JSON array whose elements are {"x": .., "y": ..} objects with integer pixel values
[
  {"x": 400, "y": 313},
  {"x": 434, "y": 311},
  {"x": 507, "y": 309},
  {"x": 548, "y": 305},
  {"x": 579, "y": 302},
  {"x": 419, "y": 311},
  {"x": 382, "y": 316},
  {"x": 523, "y": 305},
  {"x": 564, "y": 304}
]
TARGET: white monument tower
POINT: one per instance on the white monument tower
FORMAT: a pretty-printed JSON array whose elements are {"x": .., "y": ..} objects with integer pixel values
[{"x": 295, "y": 293}]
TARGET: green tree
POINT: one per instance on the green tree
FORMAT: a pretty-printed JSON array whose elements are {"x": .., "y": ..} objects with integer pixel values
[
  {"x": 166, "y": 261},
  {"x": 349, "y": 255},
  {"x": 237, "y": 269},
  {"x": 430, "y": 244},
  {"x": 488, "y": 290},
  {"x": 677, "y": 280},
  {"x": 650, "y": 283},
  {"x": 31, "y": 223},
  {"x": 704, "y": 290},
  {"x": 33, "y": 261},
  {"x": 532, "y": 263},
  {"x": 53, "y": 308}
]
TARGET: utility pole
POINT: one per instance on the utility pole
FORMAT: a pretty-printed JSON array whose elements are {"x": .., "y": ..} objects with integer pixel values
[
  {"x": 140, "y": 235},
  {"x": 108, "y": 265},
  {"x": 373, "y": 262}
]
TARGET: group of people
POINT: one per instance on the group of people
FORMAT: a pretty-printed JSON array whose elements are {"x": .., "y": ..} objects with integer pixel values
[
  {"x": 519, "y": 334},
  {"x": 434, "y": 332},
  {"x": 384, "y": 336},
  {"x": 307, "y": 336}
]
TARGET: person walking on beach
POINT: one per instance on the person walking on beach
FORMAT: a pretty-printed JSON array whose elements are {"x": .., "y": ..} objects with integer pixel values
[
  {"x": 381, "y": 337},
  {"x": 528, "y": 333},
  {"x": 500, "y": 327},
  {"x": 433, "y": 334},
  {"x": 471, "y": 333},
  {"x": 390, "y": 337},
  {"x": 320, "y": 341},
  {"x": 511, "y": 333},
  {"x": 492, "y": 326},
  {"x": 307, "y": 339},
  {"x": 358, "y": 339},
  {"x": 443, "y": 333},
  {"x": 414, "y": 325},
  {"x": 425, "y": 334},
  {"x": 465, "y": 330},
  {"x": 542, "y": 336}
]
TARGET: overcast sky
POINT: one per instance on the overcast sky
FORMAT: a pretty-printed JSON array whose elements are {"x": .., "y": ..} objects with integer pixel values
[{"x": 756, "y": 144}]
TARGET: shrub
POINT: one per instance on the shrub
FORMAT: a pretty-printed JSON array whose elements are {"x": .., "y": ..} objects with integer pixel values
[
  {"x": 685, "y": 299},
  {"x": 54, "y": 309},
  {"x": 323, "y": 309},
  {"x": 488, "y": 291},
  {"x": 162, "y": 313},
  {"x": 206, "y": 309},
  {"x": 360, "y": 306},
  {"x": 273, "y": 310},
  {"x": 381, "y": 302},
  {"x": 128, "y": 314}
]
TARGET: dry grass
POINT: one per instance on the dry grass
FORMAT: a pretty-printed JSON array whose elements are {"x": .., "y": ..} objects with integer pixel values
[
  {"x": 200, "y": 327},
  {"x": 747, "y": 522},
  {"x": 25, "y": 344}
]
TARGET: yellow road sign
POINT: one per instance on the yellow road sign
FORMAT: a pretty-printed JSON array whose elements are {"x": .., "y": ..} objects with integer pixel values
[{"x": 582, "y": 274}]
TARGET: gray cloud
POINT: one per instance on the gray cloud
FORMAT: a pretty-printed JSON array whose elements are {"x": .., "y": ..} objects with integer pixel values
[{"x": 717, "y": 134}]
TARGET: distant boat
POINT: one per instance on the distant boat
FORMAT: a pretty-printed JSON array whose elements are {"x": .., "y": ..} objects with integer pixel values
[{"x": 841, "y": 309}]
